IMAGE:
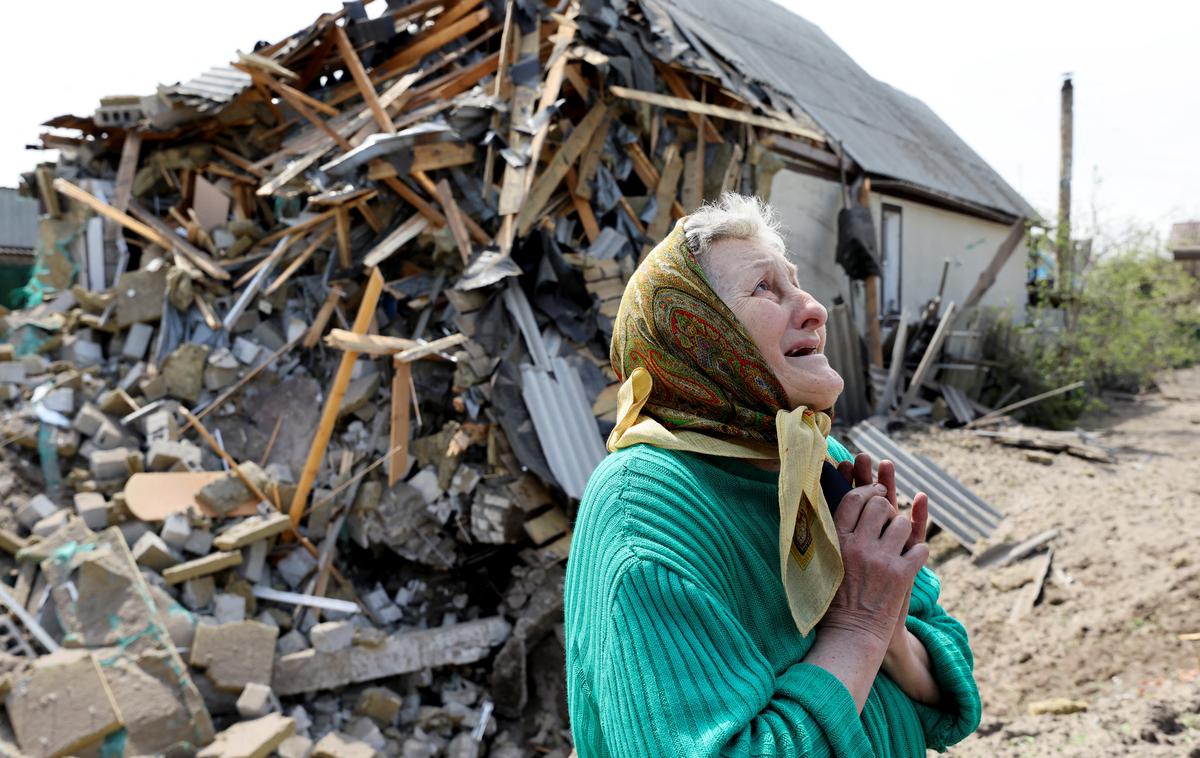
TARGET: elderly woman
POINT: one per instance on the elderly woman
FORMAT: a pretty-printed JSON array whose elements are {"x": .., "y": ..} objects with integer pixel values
[{"x": 737, "y": 584}]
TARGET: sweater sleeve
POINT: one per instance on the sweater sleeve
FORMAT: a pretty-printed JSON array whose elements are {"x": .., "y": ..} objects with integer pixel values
[
  {"x": 681, "y": 677},
  {"x": 953, "y": 666}
]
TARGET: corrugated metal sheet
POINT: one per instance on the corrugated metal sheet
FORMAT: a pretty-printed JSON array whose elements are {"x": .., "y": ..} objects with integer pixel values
[
  {"x": 554, "y": 395},
  {"x": 212, "y": 89},
  {"x": 886, "y": 131},
  {"x": 18, "y": 222},
  {"x": 952, "y": 506}
]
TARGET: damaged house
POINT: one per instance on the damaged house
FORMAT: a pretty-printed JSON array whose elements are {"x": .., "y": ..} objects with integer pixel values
[{"x": 932, "y": 198}]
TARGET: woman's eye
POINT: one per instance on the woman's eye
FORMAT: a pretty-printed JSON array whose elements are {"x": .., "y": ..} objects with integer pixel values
[{"x": 762, "y": 286}]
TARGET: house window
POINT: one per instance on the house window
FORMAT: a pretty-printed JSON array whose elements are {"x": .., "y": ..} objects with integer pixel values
[{"x": 891, "y": 256}]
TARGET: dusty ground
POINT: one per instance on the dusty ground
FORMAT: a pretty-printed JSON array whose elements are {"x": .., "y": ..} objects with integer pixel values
[{"x": 1106, "y": 630}]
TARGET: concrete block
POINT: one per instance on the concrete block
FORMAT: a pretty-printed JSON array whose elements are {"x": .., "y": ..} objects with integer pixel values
[
  {"x": 251, "y": 739},
  {"x": 88, "y": 419},
  {"x": 228, "y": 492},
  {"x": 295, "y": 567},
  {"x": 163, "y": 454},
  {"x": 161, "y": 425},
  {"x": 256, "y": 701},
  {"x": 175, "y": 530},
  {"x": 364, "y": 729},
  {"x": 292, "y": 642},
  {"x": 137, "y": 341},
  {"x": 246, "y": 351},
  {"x": 235, "y": 654},
  {"x": 198, "y": 593},
  {"x": 199, "y": 542},
  {"x": 380, "y": 704},
  {"x": 110, "y": 465},
  {"x": 332, "y": 636},
  {"x": 150, "y": 551},
  {"x": 35, "y": 509},
  {"x": 254, "y": 560},
  {"x": 295, "y": 746},
  {"x": 61, "y": 400},
  {"x": 81, "y": 352},
  {"x": 12, "y": 372},
  {"x": 108, "y": 435},
  {"x": 93, "y": 509},
  {"x": 229, "y": 608}
]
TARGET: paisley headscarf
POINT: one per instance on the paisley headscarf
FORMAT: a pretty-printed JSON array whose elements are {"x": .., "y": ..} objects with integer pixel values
[{"x": 694, "y": 380}]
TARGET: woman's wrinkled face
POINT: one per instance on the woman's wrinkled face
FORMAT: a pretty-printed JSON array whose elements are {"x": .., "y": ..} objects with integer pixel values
[{"x": 786, "y": 323}]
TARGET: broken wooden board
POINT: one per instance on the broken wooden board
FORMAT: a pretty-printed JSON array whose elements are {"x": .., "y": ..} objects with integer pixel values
[{"x": 155, "y": 495}]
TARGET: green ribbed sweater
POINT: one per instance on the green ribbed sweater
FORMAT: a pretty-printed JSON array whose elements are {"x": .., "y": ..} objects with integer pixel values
[{"x": 678, "y": 637}]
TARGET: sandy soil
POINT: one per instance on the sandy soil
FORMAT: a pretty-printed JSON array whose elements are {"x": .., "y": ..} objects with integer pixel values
[{"x": 1126, "y": 585}]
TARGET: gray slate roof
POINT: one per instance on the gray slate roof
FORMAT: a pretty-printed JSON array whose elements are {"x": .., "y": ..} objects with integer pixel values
[{"x": 885, "y": 131}]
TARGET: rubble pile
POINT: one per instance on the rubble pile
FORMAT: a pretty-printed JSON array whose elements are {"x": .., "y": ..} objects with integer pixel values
[{"x": 315, "y": 367}]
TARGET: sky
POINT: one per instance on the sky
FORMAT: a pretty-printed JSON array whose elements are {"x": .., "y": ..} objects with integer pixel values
[{"x": 992, "y": 72}]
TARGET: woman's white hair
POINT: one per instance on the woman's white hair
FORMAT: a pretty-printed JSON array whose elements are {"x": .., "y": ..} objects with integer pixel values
[{"x": 732, "y": 216}]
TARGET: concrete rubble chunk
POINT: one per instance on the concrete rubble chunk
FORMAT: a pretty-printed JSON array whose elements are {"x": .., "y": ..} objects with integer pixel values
[
  {"x": 140, "y": 296},
  {"x": 183, "y": 371},
  {"x": 103, "y": 602},
  {"x": 335, "y": 745},
  {"x": 162, "y": 455},
  {"x": 332, "y": 636},
  {"x": 401, "y": 653},
  {"x": 199, "y": 542},
  {"x": 233, "y": 655},
  {"x": 111, "y": 465},
  {"x": 295, "y": 746},
  {"x": 295, "y": 567},
  {"x": 137, "y": 341},
  {"x": 379, "y": 704},
  {"x": 256, "y": 700},
  {"x": 88, "y": 419},
  {"x": 198, "y": 593},
  {"x": 229, "y": 492},
  {"x": 228, "y": 607},
  {"x": 175, "y": 530},
  {"x": 251, "y": 739},
  {"x": 150, "y": 551},
  {"x": 35, "y": 509},
  {"x": 93, "y": 509},
  {"x": 62, "y": 705}
]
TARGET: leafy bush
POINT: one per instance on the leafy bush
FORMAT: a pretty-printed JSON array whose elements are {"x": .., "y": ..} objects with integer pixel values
[{"x": 1136, "y": 313}]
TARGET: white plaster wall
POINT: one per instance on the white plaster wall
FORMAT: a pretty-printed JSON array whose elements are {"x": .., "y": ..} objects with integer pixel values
[{"x": 808, "y": 206}]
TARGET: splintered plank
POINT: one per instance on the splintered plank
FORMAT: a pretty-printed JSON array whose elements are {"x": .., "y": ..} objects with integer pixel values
[
  {"x": 926, "y": 364},
  {"x": 678, "y": 88},
  {"x": 359, "y": 74},
  {"x": 300, "y": 260},
  {"x": 716, "y": 111},
  {"x": 369, "y": 344},
  {"x": 401, "y": 397},
  {"x": 665, "y": 194},
  {"x": 316, "y": 453},
  {"x": 454, "y": 220},
  {"x": 322, "y": 318},
  {"x": 441, "y": 33},
  {"x": 396, "y": 240},
  {"x": 591, "y": 159},
  {"x": 209, "y": 564},
  {"x": 126, "y": 170},
  {"x": 556, "y": 169},
  {"x": 442, "y": 155}
]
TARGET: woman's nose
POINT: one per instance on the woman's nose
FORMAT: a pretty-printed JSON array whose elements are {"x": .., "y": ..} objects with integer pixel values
[{"x": 807, "y": 312}]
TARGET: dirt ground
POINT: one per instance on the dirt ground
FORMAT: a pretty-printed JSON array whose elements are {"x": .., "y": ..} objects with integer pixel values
[{"x": 1125, "y": 585}]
